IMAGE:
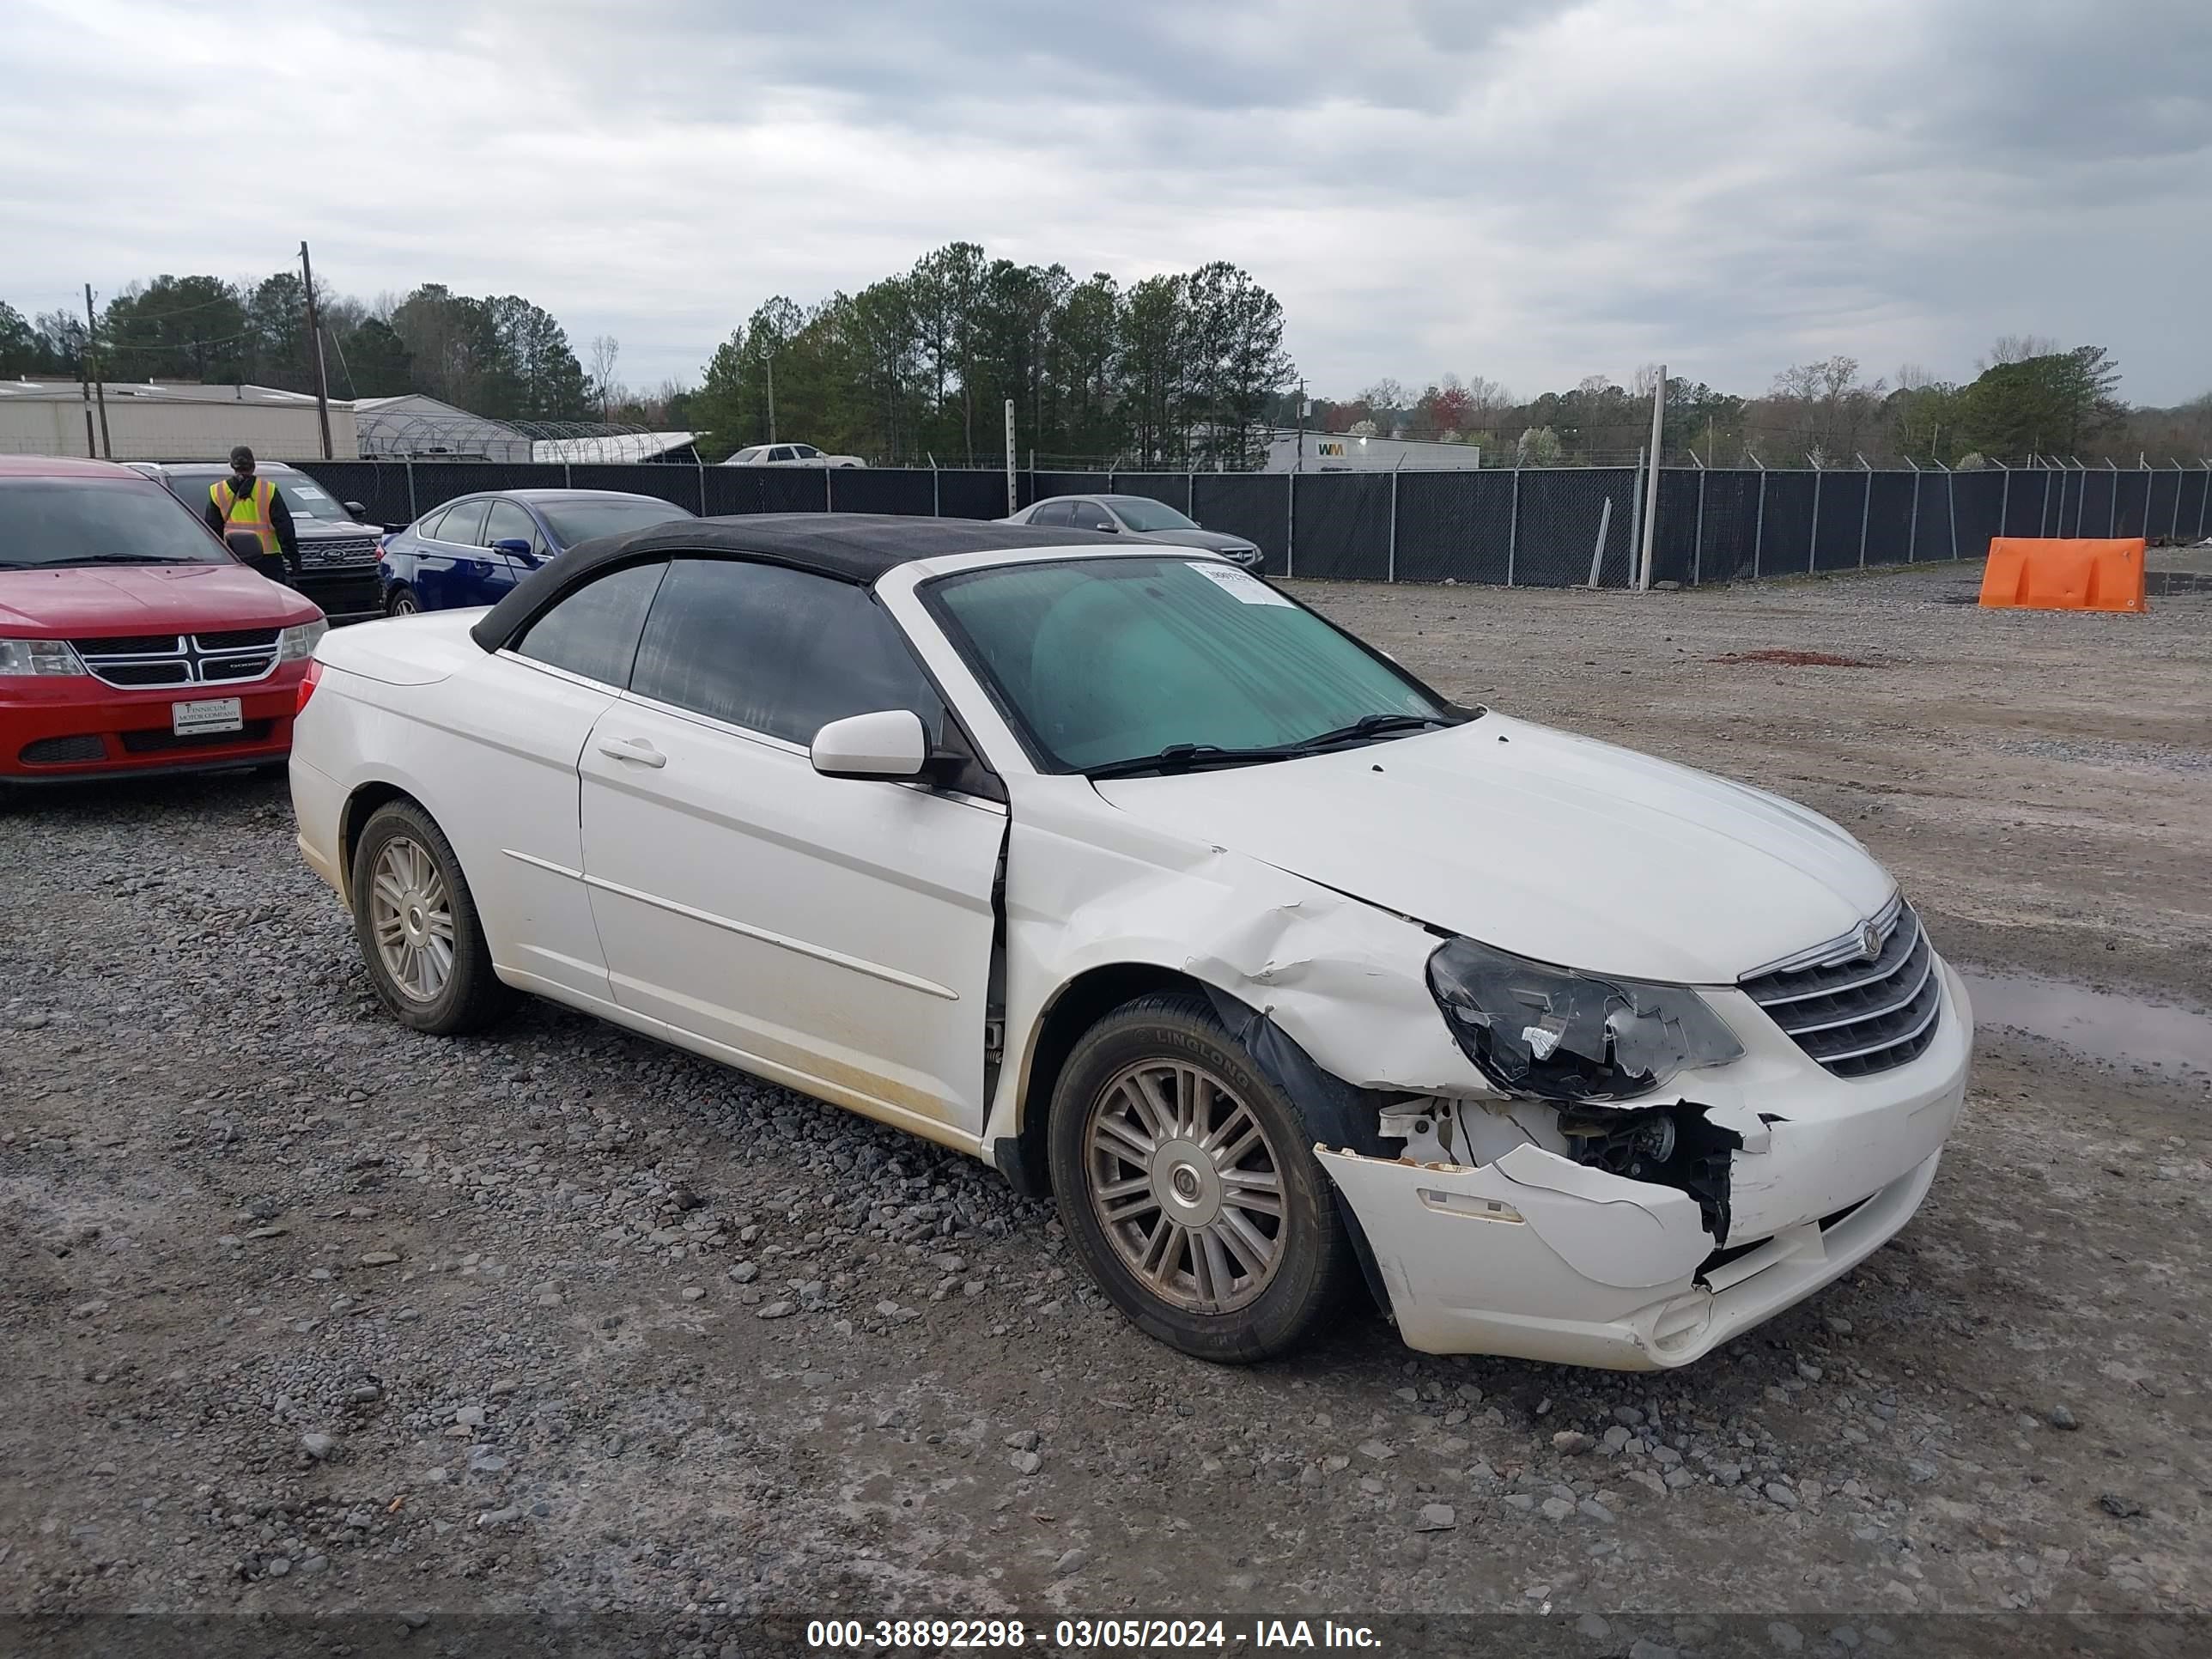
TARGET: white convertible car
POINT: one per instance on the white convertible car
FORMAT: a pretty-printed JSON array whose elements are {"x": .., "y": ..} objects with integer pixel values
[{"x": 1120, "y": 869}]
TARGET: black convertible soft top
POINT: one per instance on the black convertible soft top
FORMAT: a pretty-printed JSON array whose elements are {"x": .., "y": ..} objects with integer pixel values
[{"x": 850, "y": 547}]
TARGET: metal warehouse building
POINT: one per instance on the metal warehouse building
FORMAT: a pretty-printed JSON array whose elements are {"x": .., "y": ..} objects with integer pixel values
[{"x": 149, "y": 421}]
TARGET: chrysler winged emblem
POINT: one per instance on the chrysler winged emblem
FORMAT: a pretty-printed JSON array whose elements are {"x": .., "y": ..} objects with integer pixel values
[{"x": 1869, "y": 940}]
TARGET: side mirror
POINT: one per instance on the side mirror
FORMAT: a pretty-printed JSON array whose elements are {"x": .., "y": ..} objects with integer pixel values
[
  {"x": 354, "y": 507},
  {"x": 889, "y": 746},
  {"x": 514, "y": 547},
  {"x": 1108, "y": 526}
]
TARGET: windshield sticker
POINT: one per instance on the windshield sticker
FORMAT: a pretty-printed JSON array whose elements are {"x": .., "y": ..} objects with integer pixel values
[{"x": 1240, "y": 586}]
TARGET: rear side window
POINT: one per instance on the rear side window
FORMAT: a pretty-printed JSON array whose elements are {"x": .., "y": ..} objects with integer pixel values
[
  {"x": 594, "y": 630},
  {"x": 1052, "y": 513},
  {"x": 776, "y": 651},
  {"x": 426, "y": 526},
  {"x": 463, "y": 525}
]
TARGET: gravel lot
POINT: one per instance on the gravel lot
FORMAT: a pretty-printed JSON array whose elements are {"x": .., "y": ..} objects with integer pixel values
[{"x": 304, "y": 1312}]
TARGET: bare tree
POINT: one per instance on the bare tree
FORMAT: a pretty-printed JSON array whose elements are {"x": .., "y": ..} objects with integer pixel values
[
  {"x": 605, "y": 349},
  {"x": 2017, "y": 349}
]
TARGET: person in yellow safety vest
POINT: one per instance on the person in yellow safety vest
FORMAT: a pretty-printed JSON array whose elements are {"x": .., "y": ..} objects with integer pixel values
[{"x": 254, "y": 521}]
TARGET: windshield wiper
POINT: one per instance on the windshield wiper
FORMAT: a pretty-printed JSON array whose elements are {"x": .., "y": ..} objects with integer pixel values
[
  {"x": 1180, "y": 757},
  {"x": 1367, "y": 726},
  {"x": 124, "y": 558}
]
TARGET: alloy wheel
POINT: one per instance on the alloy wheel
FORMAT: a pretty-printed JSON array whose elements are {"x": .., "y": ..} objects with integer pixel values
[
  {"x": 1186, "y": 1186},
  {"x": 410, "y": 916}
]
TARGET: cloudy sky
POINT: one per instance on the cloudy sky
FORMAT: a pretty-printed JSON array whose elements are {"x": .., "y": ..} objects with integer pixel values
[{"x": 1529, "y": 190}]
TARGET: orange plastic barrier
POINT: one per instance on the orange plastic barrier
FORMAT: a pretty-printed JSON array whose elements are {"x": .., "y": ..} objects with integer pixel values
[{"x": 2028, "y": 573}]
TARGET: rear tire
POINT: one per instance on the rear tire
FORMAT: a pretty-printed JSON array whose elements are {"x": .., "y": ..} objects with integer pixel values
[
  {"x": 401, "y": 602},
  {"x": 417, "y": 924},
  {"x": 1186, "y": 1181}
]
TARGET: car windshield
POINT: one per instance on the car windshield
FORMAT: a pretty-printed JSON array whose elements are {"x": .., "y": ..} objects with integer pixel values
[
  {"x": 1142, "y": 513},
  {"x": 1102, "y": 661},
  {"x": 46, "y": 522},
  {"x": 579, "y": 521}
]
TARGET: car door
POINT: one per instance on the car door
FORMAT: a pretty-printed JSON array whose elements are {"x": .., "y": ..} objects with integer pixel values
[
  {"x": 1050, "y": 513},
  {"x": 1093, "y": 515},
  {"x": 444, "y": 567},
  {"x": 834, "y": 933},
  {"x": 507, "y": 521},
  {"x": 516, "y": 738}
]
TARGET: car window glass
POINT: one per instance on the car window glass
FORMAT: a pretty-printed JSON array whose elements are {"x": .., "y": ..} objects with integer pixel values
[
  {"x": 780, "y": 452},
  {"x": 463, "y": 525},
  {"x": 804, "y": 451},
  {"x": 426, "y": 526},
  {"x": 1051, "y": 512},
  {"x": 776, "y": 651},
  {"x": 1089, "y": 515},
  {"x": 508, "y": 522},
  {"x": 593, "y": 631},
  {"x": 1106, "y": 659}
]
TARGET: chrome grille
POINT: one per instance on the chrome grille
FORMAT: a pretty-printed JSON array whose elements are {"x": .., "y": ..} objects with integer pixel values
[
  {"x": 1855, "y": 1013},
  {"x": 322, "y": 552},
  {"x": 215, "y": 658}
]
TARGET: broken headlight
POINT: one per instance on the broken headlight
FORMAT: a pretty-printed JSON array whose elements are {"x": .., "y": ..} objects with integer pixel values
[{"x": 1555, "y": 1034}]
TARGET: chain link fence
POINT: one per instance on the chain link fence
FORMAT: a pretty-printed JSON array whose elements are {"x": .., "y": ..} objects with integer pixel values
[{"x": 1530, "y": 527}]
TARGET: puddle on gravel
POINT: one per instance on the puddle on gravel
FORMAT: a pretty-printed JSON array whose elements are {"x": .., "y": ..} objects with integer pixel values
[{"x": 2102, "y": 1024}]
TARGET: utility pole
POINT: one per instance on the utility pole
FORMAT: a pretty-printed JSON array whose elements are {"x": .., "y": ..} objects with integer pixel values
[
  {"x": 771, "y": 362},
  {"x": 1651, "y": 483},
  {"x": 315, "y": 329},
  {"x": 84, "y": 382},
  {"x": 1013, "y": 498},
  {"x": 99, "y": 385}
]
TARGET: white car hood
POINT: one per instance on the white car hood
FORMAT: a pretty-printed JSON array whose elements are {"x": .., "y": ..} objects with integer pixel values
[{"x": 1541, "y": 842}]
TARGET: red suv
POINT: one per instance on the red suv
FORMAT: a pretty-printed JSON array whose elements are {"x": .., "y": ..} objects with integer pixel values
[{"x": 130, "y": 640}]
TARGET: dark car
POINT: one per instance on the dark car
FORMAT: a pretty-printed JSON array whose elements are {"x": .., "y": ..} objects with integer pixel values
[
  {"x": 338, "y": 552},
  {"x": 1136, "y": 515},
  {"x": 469, "y": 551}
]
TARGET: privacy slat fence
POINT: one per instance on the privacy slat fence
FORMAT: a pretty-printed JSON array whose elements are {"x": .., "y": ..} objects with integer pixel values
[{"x": 1534, "y": 527}]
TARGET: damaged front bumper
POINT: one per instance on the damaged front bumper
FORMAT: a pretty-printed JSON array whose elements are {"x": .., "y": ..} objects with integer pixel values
[{"x": 1535, "y": 1254}]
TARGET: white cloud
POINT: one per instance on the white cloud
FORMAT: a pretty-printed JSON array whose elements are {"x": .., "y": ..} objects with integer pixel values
[{"x": 1532, "y": 193}]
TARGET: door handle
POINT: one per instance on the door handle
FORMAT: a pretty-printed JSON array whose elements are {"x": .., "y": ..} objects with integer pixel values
[{"x": 636, "y": 750}]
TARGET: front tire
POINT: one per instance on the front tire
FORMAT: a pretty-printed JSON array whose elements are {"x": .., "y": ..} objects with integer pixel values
[
  {"x": 417, "y": 924},
  {"x": 1185, "y": 1181}
]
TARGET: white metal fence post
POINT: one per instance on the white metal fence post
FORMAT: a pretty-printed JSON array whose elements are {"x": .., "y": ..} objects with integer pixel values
[
  {"x": 1912, "y": 535},
  {"x": 2005, "y": 502},
  {"x": 2174, "y": 534},
  {"x": 1641, "y": 551},
  {"x": 411, "y": 513},
  {"x": 2204, "y": 501},
  {"x": 1289, "y": 524},
  {"x": 1866, "y": 513},
  {"x": 1635, "y": 523},
  {"x": 701, "y": 465},
  {"x": 829, "y": 491},
  {"x": 936, "y": 491},
  {"x": 1697, "y": 536},
  {"x": 1390, "y": 558},
  {"x": 1813, "y": 540},
  {"x": 1513, "y": 524},
  {"x": 2112, "y": 502},
  {"x": 1759, "y": 526},
  {"x": 1013, "y": 497},
  {"x": 1951, "y": 507},
  {"x": 568, "y": 475}
]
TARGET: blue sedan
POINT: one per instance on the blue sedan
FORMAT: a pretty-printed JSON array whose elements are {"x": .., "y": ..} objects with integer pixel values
[{"x": 469, "y": 551}]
